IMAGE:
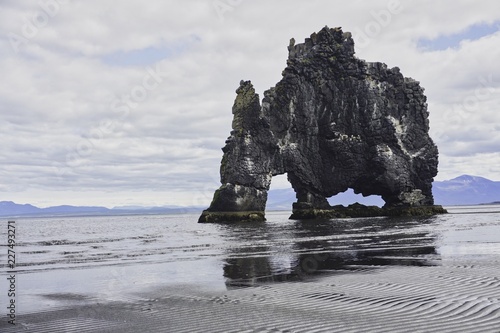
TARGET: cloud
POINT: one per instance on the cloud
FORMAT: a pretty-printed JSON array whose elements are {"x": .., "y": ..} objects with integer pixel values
[{"x": 85, "y": 122}]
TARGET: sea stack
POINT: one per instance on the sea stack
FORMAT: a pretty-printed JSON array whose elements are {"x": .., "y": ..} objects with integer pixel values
[{"x": 332, "y": 123}]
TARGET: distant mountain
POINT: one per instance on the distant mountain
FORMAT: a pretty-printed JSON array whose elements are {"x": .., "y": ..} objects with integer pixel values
[
  {"x": 280, "y": 199},
  {"x": 463, "y": 190},
  {"x": 11, "y": 209},
  {"x": 466, "y": 190}
]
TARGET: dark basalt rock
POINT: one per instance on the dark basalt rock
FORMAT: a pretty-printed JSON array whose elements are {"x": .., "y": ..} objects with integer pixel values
[
  {"x": 333, "y": 122},
  {"x": 358, "y": 210}
]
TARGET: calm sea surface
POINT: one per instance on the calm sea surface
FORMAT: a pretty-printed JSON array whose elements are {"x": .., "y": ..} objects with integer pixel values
[{"x": 110, "y": 256}]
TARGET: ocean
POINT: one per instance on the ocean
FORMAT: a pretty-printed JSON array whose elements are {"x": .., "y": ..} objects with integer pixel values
[{"x": 444, "y": 270}]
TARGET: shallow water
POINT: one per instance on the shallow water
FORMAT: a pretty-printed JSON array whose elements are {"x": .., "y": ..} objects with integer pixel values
[{"x": 66, "y": 261}]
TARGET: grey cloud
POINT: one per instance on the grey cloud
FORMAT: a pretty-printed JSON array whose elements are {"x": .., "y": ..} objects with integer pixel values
[{"x": 63, "y": 130}]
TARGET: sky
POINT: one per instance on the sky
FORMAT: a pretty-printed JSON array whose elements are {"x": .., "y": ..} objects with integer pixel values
[{"x": 129, "y": 103}]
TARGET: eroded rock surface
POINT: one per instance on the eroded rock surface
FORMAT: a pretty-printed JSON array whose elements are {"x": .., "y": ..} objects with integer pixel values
[{"x": 333, "y": 122}]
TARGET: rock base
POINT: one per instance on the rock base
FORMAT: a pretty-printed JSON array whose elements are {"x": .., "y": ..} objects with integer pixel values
[
  {"x": 358, "y": 210},
  {"x": 354, "y": 210},
  {"x": 221, "y": 217}
]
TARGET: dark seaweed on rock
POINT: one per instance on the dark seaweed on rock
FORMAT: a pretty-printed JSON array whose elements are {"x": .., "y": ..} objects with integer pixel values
[{"x": 333, "y": 122}]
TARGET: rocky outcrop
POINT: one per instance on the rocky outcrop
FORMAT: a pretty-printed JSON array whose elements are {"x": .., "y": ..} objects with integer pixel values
[{"x": 333, "y": 122}]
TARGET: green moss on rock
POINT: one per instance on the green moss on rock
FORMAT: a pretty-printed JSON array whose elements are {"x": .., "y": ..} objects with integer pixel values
[
  {"x": 358, "y": 210},
  {"x": 220, "y": 217}
]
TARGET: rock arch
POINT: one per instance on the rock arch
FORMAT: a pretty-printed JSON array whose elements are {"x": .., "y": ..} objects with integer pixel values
[{"x": 333, "y": 122}]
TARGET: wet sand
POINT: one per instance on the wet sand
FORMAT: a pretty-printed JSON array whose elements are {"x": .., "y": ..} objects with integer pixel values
[
  {"x": 384, "y": 275},
  {"x": 452, "y": 297}
]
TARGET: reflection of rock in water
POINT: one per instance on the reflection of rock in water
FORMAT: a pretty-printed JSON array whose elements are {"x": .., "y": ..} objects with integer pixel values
[
  {"x": 248, "y": 271},
  {"x": 355, "y": 260},
  {"x": 333, "y": 248}
]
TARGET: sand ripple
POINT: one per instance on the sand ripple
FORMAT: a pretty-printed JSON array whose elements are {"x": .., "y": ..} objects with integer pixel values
[
  {"x": 448, "y": 298},
  {"x": 383, "y": 275}
]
